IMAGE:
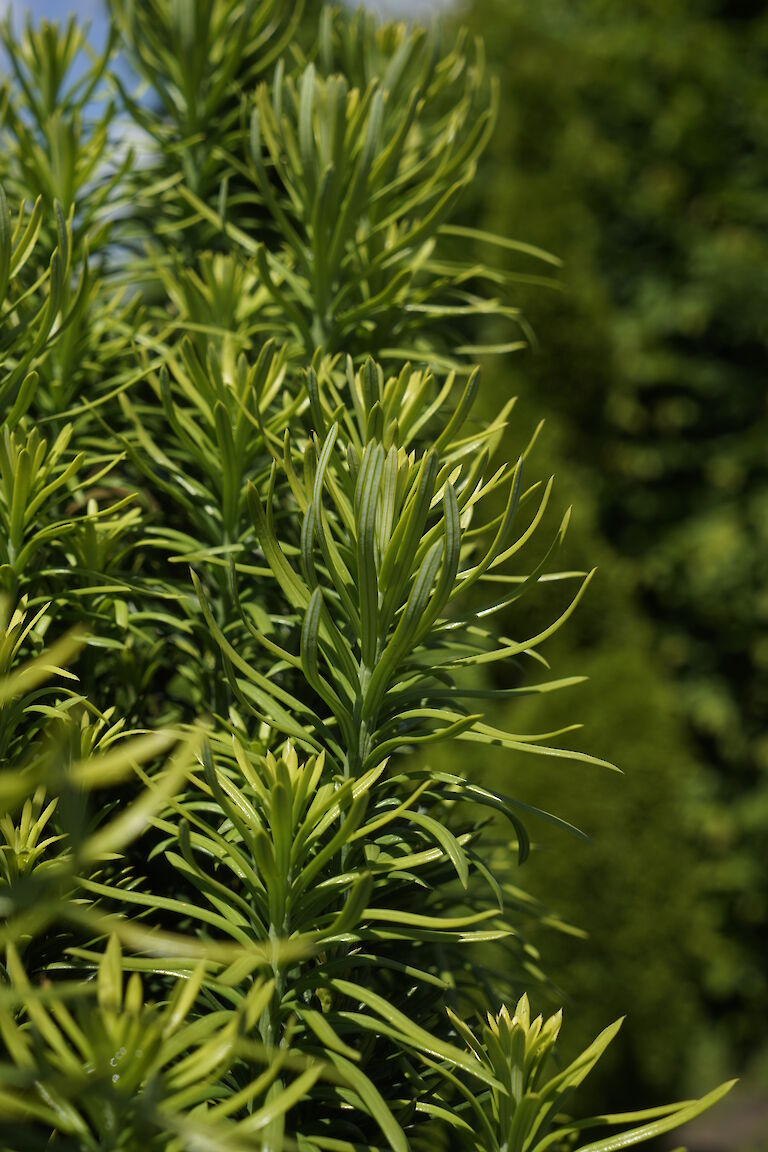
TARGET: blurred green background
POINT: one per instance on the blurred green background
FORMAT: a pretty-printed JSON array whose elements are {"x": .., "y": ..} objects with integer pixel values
[{"x": 633, "y": 142}]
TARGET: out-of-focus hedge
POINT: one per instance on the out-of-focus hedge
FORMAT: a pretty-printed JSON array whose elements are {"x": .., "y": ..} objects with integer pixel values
[{"x": 633, "y": 142}]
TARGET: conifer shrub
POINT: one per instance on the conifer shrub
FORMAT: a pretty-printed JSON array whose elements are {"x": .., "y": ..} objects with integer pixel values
[{"x": 247, "y": 515}]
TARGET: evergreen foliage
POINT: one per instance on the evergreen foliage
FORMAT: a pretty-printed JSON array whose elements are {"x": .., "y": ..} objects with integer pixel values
[{"x": 247, "y": 510}]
